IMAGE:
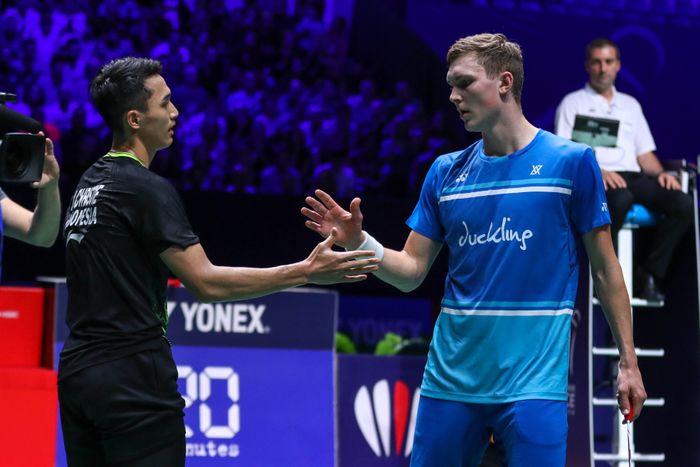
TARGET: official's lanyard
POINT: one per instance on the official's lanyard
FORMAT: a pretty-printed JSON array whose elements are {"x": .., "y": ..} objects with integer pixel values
[{"x": 124, "y": 154}]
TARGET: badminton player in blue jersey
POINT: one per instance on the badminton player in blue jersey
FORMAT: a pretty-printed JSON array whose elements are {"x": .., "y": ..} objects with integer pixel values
[{"x": 509, "y": 209}]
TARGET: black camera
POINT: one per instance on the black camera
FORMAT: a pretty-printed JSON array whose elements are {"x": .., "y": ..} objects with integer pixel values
[
  {"x": 21, "y": 157},
  {"x": 21, "y": 154}
]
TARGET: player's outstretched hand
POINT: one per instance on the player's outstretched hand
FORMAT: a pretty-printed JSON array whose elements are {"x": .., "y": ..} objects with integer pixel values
[
  {"x": 327, "y": 266},
  {"x": 324, "y": 214}
]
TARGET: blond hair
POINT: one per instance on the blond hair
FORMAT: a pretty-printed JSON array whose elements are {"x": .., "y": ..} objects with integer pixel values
[{"x": 496, "y": 54}]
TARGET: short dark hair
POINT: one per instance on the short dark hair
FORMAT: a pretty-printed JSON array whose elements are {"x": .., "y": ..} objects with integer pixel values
[
  {"x": 119, "y": 87},
  {"x": 599, "y": 43},
  {"x": 496, "y": 54}
]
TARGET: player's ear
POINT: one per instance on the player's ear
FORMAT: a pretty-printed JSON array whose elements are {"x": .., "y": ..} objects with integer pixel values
[
  {"x": 133, "y": 119},
  {"x": 505, "y": 82}
]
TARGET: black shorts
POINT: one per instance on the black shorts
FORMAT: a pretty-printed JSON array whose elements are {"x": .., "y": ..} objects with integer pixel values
[{"x": 122, "y": 410}]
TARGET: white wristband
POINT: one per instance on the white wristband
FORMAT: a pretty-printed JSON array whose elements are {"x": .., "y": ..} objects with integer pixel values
[{"x": 372, "y": 244}]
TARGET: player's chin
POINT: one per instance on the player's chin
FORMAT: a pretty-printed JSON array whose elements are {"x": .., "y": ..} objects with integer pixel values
[
  {"x": 471, "y": 128},
  {"x": 167, "y": 142}
]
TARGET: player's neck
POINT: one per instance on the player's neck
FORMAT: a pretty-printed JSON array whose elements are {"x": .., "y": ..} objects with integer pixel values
[
  {"x": 511, "y": 133},
  {"x": 133, "y": 146}
]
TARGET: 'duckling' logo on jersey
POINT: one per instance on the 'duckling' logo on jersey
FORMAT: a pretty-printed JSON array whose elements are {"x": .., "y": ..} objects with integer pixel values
[
  {"x": 501, "y": 234},
  {"x": 376, "y": 415}
]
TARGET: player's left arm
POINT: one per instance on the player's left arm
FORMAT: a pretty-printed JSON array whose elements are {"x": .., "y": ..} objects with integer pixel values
[{"x": 612, "y": 293}]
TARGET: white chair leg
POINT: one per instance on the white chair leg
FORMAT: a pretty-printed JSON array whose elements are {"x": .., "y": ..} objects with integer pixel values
[{"x": 624, "y": 254}]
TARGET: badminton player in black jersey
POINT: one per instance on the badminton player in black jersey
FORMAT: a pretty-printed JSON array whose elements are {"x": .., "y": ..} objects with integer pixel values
[{"x": 124, "y": 229}]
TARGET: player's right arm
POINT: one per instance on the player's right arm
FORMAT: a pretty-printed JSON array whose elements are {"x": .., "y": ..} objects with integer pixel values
[
  {"x": 212, "y": 283},
  {"x": 405, "y": 269}
]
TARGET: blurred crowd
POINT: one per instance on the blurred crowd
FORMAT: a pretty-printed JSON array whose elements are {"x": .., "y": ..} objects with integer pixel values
[{"x": 270, "y": 99}]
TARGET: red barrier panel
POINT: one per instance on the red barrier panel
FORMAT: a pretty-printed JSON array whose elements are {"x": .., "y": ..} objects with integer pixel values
[
  {"x": 21, "y": 326},
  {"x": 28, "y": 417},
  {"x": 28, "y": 401}
]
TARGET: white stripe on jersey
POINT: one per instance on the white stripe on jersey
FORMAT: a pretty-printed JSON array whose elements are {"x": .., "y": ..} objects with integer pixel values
[
  {"x": 505, "y": 191},
  {"x": 473, "y": 312}
]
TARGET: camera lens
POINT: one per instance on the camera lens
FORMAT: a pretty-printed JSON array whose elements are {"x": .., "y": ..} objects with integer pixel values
[
  {"x": 21, "y": 157},
  {"x": 15, "y": 163}
]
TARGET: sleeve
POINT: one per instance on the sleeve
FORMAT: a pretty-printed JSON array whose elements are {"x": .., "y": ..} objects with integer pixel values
[
  {"x": 589, "y": 205},
  {"x": 643, "y": 141},
  {"x": 425, "y": 218},
  {"x": 164, "y": 222},
  {"x": 564, "y": 118}
]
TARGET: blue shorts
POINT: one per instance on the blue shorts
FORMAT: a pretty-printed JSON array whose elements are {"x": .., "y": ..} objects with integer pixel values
[{"x": 528, "y": 432}]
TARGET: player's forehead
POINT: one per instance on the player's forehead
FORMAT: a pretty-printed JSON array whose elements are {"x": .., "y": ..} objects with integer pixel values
[
  {"x": 465, "y": 66},
  {"x": 159, "y": 88}
]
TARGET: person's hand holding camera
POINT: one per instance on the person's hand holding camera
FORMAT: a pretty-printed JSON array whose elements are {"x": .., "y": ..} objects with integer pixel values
[{"x": 50, "y": 173}]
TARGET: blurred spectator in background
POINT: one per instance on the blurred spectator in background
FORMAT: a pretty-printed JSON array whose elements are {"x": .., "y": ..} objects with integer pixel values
[
  {"x": 613, "y": 123},
  {"x": 260, "y": 75}
]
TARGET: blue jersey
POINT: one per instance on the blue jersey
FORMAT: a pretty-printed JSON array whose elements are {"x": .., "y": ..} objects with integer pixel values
[{"x": 510, "y": 224}]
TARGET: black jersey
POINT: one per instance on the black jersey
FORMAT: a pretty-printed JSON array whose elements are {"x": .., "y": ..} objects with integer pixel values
[{"x": 121, "y": 217}]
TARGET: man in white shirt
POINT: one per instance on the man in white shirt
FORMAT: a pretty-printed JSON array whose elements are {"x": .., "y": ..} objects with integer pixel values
[{"x": 614, "y": 125}]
